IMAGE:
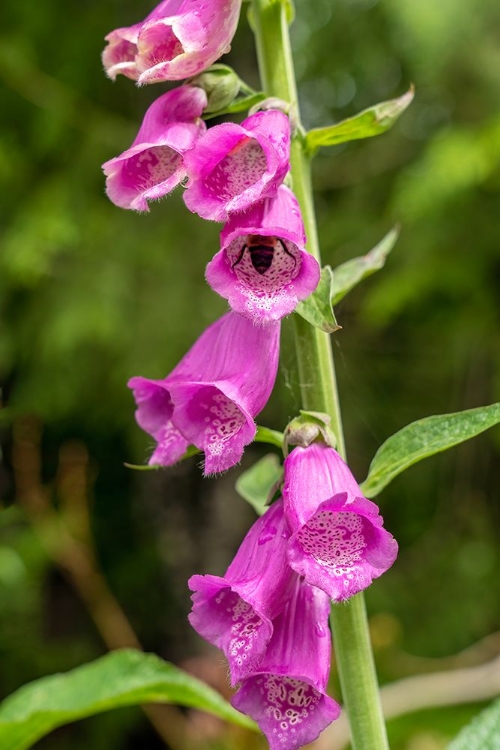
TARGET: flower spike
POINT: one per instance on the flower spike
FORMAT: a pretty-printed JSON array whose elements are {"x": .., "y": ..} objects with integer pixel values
[
  {"x": 178, "y": 39},
  {"x": 286, "y": 694},
  {"x": 338, "y": 542},
  {"x": 235, "y": 612},
  {"x": 262, "y": 268},
  {"x": 211, "y": 398},
  {"x": 234, "y": 166},
  {"x": 153, "y": 166}
]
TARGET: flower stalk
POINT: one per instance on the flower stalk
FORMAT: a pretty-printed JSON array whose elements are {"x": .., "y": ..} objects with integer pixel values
[{"x": 318, "y": 383}]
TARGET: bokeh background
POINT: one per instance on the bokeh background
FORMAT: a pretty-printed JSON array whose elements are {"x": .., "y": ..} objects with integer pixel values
[{"x": 94, "y": 555}]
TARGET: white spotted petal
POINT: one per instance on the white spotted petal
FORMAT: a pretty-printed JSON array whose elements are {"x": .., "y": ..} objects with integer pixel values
[
  {"x": 338, "y": 542},
  {"x": 154, "y": 165},
  {"x": 286, "y": 694},
  {"x": 215, "y": 391},
  {"x": 235, "y": 166},
  {"x": 262, "y": 268},
  {"x": 235, "y": 612}
]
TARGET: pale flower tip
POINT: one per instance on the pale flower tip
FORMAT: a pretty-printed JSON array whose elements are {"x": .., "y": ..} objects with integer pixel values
[{"x": 174, "y": 42}]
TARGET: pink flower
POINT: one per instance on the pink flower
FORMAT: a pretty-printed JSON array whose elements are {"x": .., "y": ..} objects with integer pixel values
[
  {"x": 234, "y": 166},
  {"x": 286, "y": 693},
  {"x": 211, "y": 398},
  {"x": 338, "y": 542},
  {"x": 235, "y": 612},
  {"x": 178, "y": 39},
  {"x": 262, "y": 268},
  {"x": 154, "y": 164}
]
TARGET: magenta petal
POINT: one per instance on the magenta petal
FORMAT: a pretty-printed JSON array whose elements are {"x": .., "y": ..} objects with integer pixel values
[
  {"x": 234, "y": 166},
  {"x": 221, "y": 384},
  {"x": 214, "y": 422},
  {"x": 235, "y": 612},
  {"x": 342, "y": 548},
  {"x": 262, "y": 268},
  {"x": 186, "y": 40},
  {"x": 153, "y": 166},
  {"x": 314, "y": 474},
  {"x": 338, "y": 541},
  {"x": 216, "y": 390},
  {"x": 154, "y": 415},
  {"x": 286, "y": 694},
  {"x": 178, "y": 39}
]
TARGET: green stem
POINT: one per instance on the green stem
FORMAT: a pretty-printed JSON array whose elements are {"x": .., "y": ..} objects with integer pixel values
[{"x": 318, "y": 385}]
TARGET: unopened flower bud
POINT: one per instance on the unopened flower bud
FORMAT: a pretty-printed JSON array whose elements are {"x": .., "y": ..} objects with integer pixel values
[
  {"x": 221, "y": 85},
  {"x": 309, "y": 427}
]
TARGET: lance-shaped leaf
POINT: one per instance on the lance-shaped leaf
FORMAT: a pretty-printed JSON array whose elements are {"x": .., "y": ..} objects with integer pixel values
[
  {"x": 121, "y": 678},
  {"x": 482, "y": 733},
  {"x": 317, "y": 308},
  {"x": 424, "y": 438},
  {"x": 349, "y": 274},
  {"x": 257, "y": 483},
  {"x": 369, "y": 122}
]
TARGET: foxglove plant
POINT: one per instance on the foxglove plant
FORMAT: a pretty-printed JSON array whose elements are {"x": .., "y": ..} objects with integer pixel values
[
  {"x": 232, "y": 166},
  {"x": 154, "y": 165},
  {"x": 286, "y": 694},
  {"x": 323, "y": 540},
  {"x": 337, "y": 539},
  {"x": 211, "y": 397},
  {"x": 262, "y": 268},
  {"x": 178, "y": 39},
  {"x": 236, "y": 612}
]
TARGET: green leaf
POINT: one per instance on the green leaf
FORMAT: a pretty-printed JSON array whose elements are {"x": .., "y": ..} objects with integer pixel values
[
  {"x": 265, "y": 435},
  {"x": 483, "y": 733},
  {"x": 121, "y": 678},
  {"x": 143, "y": 467},
  {"x": 369, "y": 122},
  {"x": 349, "y": 274},
  {"x": 256, "y": 484},
  {"x": 425, "y": 438},
  {"x": 317, "y": 308}
]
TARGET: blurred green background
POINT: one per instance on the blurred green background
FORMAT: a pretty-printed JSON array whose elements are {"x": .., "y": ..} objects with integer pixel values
[{"x": 91, "y": 295}]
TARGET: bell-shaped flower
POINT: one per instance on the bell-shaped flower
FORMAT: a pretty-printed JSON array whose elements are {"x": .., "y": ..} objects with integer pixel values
[
  {"x": 286, "y": 693},
  {"x": 262, "y": 268},
  {"x": 234, "y": 166},
  {"x": 235, "y": 612},
  {"x": 178, "y": 39},
  {"x": 338, "y": 542},
  {"x": 211, "y": 397},
  {"x": 154, "y": 165}
]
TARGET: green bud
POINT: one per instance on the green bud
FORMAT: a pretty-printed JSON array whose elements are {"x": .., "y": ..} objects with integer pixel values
[
  {"x": 221, "y": 85},
  {"x": 309, "y": 427}
]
